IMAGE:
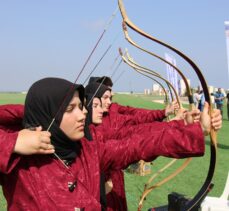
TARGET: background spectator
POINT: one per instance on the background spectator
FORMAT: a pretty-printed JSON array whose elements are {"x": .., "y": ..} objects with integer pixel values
[
  {"x": 228, "y": 106},
  {"x": 219, "y": 97}
]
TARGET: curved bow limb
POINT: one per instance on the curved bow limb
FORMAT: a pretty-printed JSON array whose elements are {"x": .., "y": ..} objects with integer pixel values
[
  {"x": 189, "y": 93},
  {"x": 130, "y": 59},
  {"x": 148, "y": 190},
  {"x": 163, "y": 88},
  {"x": 204, "y": 189},
  {"x": 151, "y": 73}
]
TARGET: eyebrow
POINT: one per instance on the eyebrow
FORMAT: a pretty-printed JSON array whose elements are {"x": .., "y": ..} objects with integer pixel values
[
  {"x": 106, "y": 95},
  {"x": 75, "y": 103}
]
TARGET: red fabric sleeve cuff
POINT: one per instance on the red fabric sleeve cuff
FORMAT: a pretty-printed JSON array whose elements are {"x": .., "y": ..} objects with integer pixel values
[{"x": 7, "y": 159}]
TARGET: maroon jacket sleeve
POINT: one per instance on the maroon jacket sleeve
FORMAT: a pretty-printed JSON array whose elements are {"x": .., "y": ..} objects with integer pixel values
[
  {"x": 118, "y": 121},
  {"x": 161, "y": 139},
  {"x": 11, "y": 114},
  {"x": 142, "y": 115},
  {"x": 10, "y": 122},
  {"x": 99, "y": 133},
  {"x": 8, "y": 160}
]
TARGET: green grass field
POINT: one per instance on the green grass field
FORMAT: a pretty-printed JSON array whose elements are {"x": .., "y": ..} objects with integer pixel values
[{"x": 187, "y": 182}]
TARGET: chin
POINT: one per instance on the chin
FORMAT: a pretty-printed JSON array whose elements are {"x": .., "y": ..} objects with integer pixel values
[
  {"x": 78, "y": 136},
  {"x": 98, "y": 122},
  {"x": 106, "y": 110}
]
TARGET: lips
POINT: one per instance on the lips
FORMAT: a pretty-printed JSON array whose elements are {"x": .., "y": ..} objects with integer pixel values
[{"x": 81, "y": 127}]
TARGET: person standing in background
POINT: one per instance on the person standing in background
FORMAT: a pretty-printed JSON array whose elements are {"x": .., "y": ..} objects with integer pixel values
[
  {"x": 201, "y": 100},
  {"x": 228, "y": 106},
  {"x": 196, "y": 98},
  {"x": 219, "y": 97}
]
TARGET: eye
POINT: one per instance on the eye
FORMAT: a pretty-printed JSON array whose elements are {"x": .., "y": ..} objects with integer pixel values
[
  {"x": 69, "y": 108},
  {"x": 81, "y": 106},
  {"x": 94, "y": 105}
]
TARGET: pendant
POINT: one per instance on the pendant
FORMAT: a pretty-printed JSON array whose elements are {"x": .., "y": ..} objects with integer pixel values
[{"x": 71, "y": 186}]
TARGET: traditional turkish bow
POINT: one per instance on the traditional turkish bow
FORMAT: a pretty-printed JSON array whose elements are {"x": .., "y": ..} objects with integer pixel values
[
  {"x": 213, "y": 147},
  {"x": 147, "y": 187},
  {"x": 189, "y": 93}
]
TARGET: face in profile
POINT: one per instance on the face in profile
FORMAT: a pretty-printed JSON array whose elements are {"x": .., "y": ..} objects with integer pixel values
[
  {"x": 73, "y": 121},
  {"x": 97, "y": 111},
  {"x": 106, "y": 101}
]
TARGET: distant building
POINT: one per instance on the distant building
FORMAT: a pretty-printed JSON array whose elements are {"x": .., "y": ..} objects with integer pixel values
[
  {"x": 147, "y": 91},
  {"x": 155, "y": 88}
]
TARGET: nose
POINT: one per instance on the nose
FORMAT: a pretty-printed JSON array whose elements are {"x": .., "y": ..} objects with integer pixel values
[
  {"x": 100, "y": 110},
  {"x": 82, "y": 114},
  {"x": 109, "y": 101},
  {"x": 85, "y": 110}
]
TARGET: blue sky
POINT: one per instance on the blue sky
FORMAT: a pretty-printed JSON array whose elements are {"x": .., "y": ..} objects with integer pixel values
[{"x": 54, "y": 38}]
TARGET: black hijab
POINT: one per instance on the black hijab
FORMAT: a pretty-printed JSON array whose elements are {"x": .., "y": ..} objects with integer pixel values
[
  {"x": 93, "y": 90},
  {"x": 47, "y": 99},
  {"x": 104, "y": 80}
]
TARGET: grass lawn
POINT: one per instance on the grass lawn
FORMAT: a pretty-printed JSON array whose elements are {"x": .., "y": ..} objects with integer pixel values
[
  {"x": 187, "y": 182},
  {"x": 13, "y": 98}
]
